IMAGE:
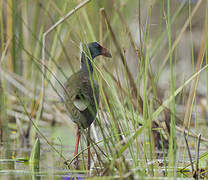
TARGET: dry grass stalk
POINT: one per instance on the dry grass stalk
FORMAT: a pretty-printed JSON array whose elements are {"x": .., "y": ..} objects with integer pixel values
[
  {"x": 195, "y": 82},
  {"x": 133, "y": 86}
]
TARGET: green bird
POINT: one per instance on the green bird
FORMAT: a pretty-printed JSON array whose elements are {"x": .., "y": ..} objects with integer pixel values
[{"x": 82, "y": 92}]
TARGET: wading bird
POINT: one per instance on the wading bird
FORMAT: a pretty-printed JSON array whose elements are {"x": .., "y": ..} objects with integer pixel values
[{"x": 82, "y": 93}]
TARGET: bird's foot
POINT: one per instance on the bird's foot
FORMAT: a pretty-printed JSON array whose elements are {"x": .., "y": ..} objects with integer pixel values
[{"x": 75, "y": 163}]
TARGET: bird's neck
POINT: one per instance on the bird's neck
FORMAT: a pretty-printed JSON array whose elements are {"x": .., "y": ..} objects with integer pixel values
[{"x": 86, "y": 64}]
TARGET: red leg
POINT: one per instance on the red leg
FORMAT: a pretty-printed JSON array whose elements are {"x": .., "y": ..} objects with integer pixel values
[
  {"x": 88, "y": 145},
  {"x": 76, "y": 161}
]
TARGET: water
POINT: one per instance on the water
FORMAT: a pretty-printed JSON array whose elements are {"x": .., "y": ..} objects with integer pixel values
[{"x": 14, "y": 158}]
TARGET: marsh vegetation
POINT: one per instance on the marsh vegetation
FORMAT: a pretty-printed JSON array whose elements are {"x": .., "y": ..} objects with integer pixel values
[{"x": 152, "y": 117}]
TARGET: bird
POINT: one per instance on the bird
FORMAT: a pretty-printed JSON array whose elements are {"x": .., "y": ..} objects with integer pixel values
[{"x": 81, "y": 95}]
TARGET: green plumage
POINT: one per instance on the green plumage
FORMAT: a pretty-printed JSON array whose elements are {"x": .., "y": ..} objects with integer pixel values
[
  {"x": 81, "y": 92},
  {"x": 79, "y": 87}
]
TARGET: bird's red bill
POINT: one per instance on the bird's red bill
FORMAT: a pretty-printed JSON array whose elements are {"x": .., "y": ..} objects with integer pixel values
[{"x": 106, "y": 53}]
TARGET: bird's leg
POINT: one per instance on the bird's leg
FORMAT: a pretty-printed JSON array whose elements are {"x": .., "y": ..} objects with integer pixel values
[
  {"x": 76, "y": 161},
  {"x": 88, "y": 149}
]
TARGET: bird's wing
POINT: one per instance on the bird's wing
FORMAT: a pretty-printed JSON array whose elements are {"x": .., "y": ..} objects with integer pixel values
[
  {"x": 85, "y": 97},
  {"x": 81, "y": 102},
  {"x": 79, "y": 91}
]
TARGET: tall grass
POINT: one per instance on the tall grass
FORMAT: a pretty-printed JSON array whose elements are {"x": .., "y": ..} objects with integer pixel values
[
  {"x": 172, "y": 139},
  {"x": 135, "y": 118}
]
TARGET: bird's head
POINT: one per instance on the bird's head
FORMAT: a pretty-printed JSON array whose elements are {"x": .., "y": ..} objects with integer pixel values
[
  {"x": 95, "y": 50},
  {"x": 92, "y": 50}
]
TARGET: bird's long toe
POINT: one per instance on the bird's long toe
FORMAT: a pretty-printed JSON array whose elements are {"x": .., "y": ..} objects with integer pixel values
[{"x": 75, "y": 163}]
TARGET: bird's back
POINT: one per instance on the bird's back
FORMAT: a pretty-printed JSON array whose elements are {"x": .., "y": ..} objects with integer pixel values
[{"x": 81, "y": 95}]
